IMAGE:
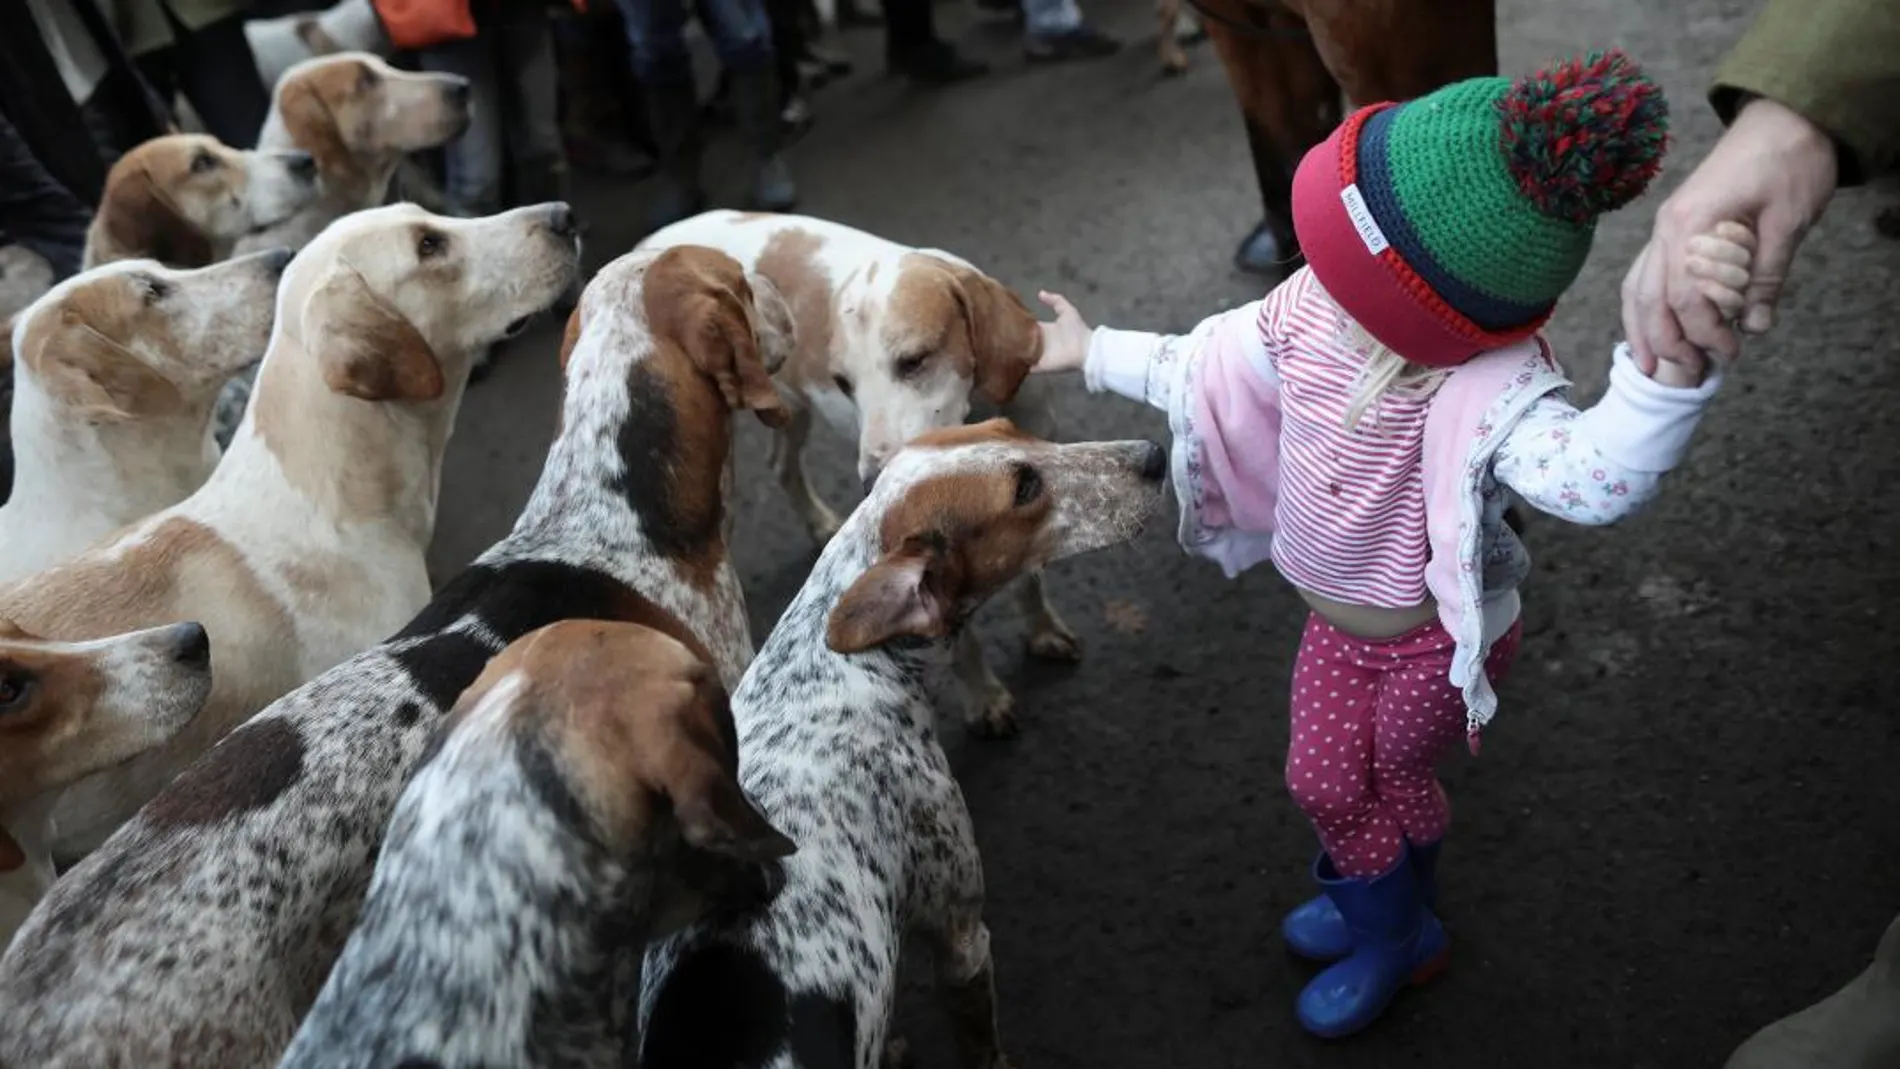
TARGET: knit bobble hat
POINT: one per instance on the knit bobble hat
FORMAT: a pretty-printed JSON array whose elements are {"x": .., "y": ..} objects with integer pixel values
[{"x": 1450, "y": 225}]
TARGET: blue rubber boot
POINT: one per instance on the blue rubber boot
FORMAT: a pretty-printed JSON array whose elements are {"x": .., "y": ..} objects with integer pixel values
[
  {"x": 1315, "y": 930},
  {"x": 1396, "y": 941}
]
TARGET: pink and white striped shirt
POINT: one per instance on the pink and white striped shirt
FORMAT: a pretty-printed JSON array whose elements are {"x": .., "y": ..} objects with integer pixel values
[
  {"x": 1255, "y": 398},
  {"x": 1350, "y": 519}
]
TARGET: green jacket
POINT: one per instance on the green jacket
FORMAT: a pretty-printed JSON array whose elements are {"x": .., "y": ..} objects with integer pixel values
[
  {"x": 143, "y": 27},
  {"x": 1837, "y": 62}
]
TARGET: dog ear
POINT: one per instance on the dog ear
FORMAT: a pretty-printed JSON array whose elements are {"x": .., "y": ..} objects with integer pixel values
[
  {"x": 772, "y": 319},
  {"x": 367, "y": 349},
  {"x": 1004, "y": 336},
  {"x": 140, "y": 222},
  {"x": 312, "y": 126},
  {"x": 719, "y": 336},
  {"x": 99, "y": 379},
  {"x": 713, "y": 812},
  {"x": 901, "y": 596}
]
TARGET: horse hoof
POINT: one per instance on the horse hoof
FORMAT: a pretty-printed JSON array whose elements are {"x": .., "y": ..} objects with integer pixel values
[{"x": 1260, "y": 253}]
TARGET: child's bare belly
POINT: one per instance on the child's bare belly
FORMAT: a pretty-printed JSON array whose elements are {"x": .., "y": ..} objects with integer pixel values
[{"x": 1366, "y": 621}]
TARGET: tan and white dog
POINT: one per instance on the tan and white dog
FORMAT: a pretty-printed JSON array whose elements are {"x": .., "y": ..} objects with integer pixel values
[
  {"x": 69, "y": 709},
  {"x": 359, "y": 117},
  {"x": 115, "y": 374},
  {"x": 306, "y": 545},
  {"x": 187, "y": 199},
  {"x": 893, "y": 341}
]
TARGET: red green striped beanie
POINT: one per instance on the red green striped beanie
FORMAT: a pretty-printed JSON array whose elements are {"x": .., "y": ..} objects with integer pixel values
[{"x": 1450, "y": 225}]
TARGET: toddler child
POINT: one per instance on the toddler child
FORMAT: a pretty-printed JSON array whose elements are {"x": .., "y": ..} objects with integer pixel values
[{"x": 1358, "y": 427}]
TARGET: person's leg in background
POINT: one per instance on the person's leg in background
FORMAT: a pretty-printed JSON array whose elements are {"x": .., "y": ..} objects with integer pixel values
[
  {"x": 35, "y": 209},
  {"x": 788, "y": 52},
  {"x": 913, "y": 49},
  {"x": 603, "y": 124},
  {"x": 472, "y": 163},
  {"x": 656, "y": 44},
  {"x": 530, "y": 90},
  {"x": 741, "y": 32},
  {"x": 1054, "y": 30},
  {"x": 216, "y": 71},
  {"x": 49, "y": 224}
]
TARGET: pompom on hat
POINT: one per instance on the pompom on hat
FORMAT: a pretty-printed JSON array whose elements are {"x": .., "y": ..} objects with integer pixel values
[{"x": 1450, "y": 225}]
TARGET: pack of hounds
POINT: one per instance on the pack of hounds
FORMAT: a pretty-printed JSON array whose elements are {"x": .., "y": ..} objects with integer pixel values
[{"x": 267, "y": 798}]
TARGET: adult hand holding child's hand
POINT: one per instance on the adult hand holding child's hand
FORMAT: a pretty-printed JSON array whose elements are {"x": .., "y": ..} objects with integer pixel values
[
  {"x": 1773, "y": 170},
  {"x": 1065, "y": 342}
]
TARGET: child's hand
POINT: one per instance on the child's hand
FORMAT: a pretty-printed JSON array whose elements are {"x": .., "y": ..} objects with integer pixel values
[
  {"x": 1719, "y": 261},
  {"x": 1065, "y": 342}
]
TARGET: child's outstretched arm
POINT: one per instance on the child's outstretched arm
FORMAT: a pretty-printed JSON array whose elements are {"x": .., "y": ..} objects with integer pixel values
[
  {"x": 1598, "y": 465},
  {"x": 1602, "y": 464},
  {"x": 1136, "y": 364}
]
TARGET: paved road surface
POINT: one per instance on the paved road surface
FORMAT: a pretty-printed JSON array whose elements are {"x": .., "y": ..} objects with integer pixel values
[{"x": 1687, "y": 817}]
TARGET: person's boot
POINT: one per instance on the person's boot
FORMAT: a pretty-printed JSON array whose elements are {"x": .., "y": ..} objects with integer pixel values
[
  {"x": 673, "y": 116},
  {"x": 1314, "y": 930},
  {"x": 1396, "y": 942},
  {"x": 757, "y": 104}
]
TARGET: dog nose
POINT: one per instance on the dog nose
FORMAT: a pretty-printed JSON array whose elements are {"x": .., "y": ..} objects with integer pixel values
[
  {"x": 561, "y": 220},
  {"x": 1153, "y": 465},
  {"x": 190, "y": 646},
  {"x": 300, "y": 164},
  {"x": 457, "y": 90},
  {"x": 275, "y": 260}
]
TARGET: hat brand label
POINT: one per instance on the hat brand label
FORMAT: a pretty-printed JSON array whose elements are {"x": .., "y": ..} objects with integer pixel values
[{"x": 1362, "y": 220}]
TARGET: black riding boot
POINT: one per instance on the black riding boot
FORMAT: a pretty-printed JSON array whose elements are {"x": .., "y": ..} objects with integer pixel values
[
  {"x": 673, "y": 113},
  {"x": 757, "y": 101}
]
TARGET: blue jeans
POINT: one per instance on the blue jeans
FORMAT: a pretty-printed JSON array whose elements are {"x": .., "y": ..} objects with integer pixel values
[
  {"x": 741, "y": 33},
  {"x": 1049, "y": 17}
]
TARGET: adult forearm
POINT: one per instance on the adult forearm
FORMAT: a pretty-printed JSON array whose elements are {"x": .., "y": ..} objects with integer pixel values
[{"x": 1837, "y": 63}]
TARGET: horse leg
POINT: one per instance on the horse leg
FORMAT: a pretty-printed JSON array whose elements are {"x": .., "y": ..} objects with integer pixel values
[
  {"x": 1289, "y": 103},
  {"x": 1381, "y": 50}
]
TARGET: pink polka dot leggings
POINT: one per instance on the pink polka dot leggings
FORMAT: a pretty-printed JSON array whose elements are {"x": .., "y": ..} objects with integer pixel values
[{"x": 1371, "y": 720}]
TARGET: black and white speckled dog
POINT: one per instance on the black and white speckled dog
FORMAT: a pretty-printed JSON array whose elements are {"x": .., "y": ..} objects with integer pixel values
[
  {"x": 201, "y": 932},
  {"x": 835, "y": 722},
  {"x": 584, "y": 800}
]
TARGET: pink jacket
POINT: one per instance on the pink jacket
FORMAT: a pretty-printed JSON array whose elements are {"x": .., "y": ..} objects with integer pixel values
[{"x": 1501, "y": 419}]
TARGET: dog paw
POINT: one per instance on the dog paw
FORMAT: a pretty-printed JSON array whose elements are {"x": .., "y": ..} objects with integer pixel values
[
  {"x": 996, "y": 716},
  {"x": 1055, "y": 643}
]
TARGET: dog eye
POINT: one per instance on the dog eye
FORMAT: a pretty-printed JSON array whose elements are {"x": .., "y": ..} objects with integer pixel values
[
  {"x": 154, "y": 290},
  {"x": 431, "y": 244},
  {"x": 843, "y": 384},
  {"x": 911, "y": 365},
  {"x": 202, "y": 162},
  {"x": 1028, "y": 485},
  {"x": 14, "y": 689},
  {"x": 367, "y": 78}
]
